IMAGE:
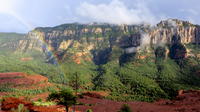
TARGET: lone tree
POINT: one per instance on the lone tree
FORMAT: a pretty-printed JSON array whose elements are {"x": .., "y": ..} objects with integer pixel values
[
  {"x": 160, "y": 54},
  {"x": 64, "y": 97}
]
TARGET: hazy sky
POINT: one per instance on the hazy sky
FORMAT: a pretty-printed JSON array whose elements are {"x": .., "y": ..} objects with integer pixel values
[{"x": 25, "y": 15}]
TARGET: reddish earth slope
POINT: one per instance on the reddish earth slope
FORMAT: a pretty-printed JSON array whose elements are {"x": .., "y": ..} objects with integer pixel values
[
  {"x": 188, "y": 101},
  {"x": 22, "y": 81},
  {"x": 12, "y": 103}
]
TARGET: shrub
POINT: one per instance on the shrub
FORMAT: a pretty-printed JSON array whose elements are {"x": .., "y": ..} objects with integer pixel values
[
  {"x": 89, "y": 110},
  {"x": 125, "y": 108},
  {"x": 40, "y": 103},
  {"x": 20, "y": 108}
]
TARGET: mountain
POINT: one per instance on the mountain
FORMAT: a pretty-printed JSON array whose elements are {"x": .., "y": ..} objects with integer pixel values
[
  {"x": 130, "y": 62},
  {"x": 11, "y": 40},
  {"x": 99, "y": 43}
]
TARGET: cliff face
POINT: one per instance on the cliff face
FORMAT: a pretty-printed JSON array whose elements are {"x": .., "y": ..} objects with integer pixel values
[
  {"x": 11, "y": 41},
  {"x": 65, "y": 36},
  {"x": 165, "y": 30},
  {"x": 100, "y": 43},
  {"x": 80, "y": 42}
]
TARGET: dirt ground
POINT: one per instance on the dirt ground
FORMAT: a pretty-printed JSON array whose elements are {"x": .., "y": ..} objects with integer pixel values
[{"x": 186, "y": 101}]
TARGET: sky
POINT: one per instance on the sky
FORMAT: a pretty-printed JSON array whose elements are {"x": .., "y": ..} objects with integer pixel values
[{"x": 25, "y": 15}]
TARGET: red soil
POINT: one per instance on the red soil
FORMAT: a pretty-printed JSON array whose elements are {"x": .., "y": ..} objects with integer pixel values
[
  {"x": 187, "y": 101},
  {"x": 10, "y": 75},
  {"x": 42, "y": 96},
  {"x": 95, "y": 94},
  {"x": 26, "y": 59},
  {"x": 22, "y": 79},
  {"x": 142, "y": 57},
  {"x": 10, "y": 103}
]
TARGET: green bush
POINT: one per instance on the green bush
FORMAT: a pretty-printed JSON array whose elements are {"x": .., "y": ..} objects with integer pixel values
[
  {"x": 40, "y": 103},
  {"x": 89, "y": 110},
  {"x": 20, "y": 108}
]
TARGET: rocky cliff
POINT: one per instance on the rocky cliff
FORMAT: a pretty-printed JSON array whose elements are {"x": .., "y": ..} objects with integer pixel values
[
  {"x": 81, "y": 42},
  {"x": 100, "y": 43},
  {"x": 165, "y": 30}
]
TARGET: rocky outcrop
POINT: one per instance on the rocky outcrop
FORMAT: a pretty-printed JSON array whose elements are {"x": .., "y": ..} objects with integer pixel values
[
  {"x": 165, "y": 30},
  {"x": 10, "y": 40},
  {"x": 77, "y": 41},
  {"x": 82, "y": 42}
]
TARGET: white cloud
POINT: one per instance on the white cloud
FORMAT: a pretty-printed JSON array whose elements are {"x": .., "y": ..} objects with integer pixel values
[
  {"x": 145, "y": 40},
  {"x": 131, "y": 50},
  {"x": 116, "y": 12}
]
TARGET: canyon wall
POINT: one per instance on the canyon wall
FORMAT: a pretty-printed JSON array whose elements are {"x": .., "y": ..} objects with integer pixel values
[{"x": 98, "y": 42}]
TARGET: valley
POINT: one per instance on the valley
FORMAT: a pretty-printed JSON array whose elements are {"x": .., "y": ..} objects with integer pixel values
[
  {"x": 140, "y": 65},
  {"x": 185, "y": 101}
]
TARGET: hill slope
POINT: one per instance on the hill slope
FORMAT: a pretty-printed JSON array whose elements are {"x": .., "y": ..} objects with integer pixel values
[{"x": 131, "y": 62}]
